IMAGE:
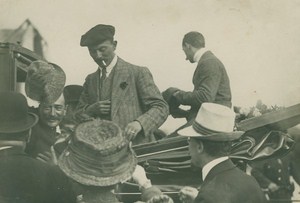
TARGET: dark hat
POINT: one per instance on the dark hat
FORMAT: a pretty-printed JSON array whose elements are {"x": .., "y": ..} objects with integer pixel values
[
  {"x": 170, "y": 99},
  {"x": 168, "y": 96},
  {"x": 97, "y": 35},
  {"x": 98, "y": 155},
  {"x": 14, "y": 115},
  {"x": 72, "y": 93},
  {"x": 214, "y": 122},
  {"x": 44, "y": 81}
]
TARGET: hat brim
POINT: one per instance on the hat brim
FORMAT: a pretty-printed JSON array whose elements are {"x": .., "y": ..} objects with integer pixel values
[
  {"x": 19, "y": 126},
  {"x": 44, "y": 82},
  {"x": 65, "y": 164},
  {"x": 221, "y": 136}
]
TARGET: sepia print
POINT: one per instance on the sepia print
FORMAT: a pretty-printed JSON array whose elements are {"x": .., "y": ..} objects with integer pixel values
[{"x": 132, "y": 93}]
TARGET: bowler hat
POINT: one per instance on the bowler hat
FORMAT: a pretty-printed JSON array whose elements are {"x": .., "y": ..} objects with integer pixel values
[
  {"x": 72, "y": 93},
  {"x": 14, "y": 115},
  {"x": 213, "y": 122},
  {"x": 44, "y": 81},
  {"x": 98, "y": 155},
  {"x": 97, "y": 35}
]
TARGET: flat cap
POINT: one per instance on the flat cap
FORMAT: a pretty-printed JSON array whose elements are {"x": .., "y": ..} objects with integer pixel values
[{"x": 97, "y": 35}]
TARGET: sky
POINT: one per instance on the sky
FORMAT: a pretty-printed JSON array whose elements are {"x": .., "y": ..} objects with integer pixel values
[{"x": 257, "y": 40}]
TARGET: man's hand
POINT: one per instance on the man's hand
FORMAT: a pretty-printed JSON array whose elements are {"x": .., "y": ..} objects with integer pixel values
[
  {"x": 188, "y": 194},
  {"x": 132, "y": 129},
  {"x": 45, "y": 157},
  {"x": 139, "y": 176},
  {"x": 273, "y": 187},
  {"x": 160, "y": 199},
  {"x": 99, "y": 108}
]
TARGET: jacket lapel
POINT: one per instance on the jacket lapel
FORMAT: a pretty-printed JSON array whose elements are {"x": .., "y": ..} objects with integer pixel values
[
  {"x": 219, "y": 168},
  {"x": 95, "y": 80},
  {"x": 120, "y": 85}
]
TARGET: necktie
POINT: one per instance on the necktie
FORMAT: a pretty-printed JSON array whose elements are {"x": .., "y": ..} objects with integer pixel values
[{"x": 103, "y": 76}]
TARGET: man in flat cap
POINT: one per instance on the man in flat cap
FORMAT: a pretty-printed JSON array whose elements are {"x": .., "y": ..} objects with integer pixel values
[
  {"x": 22, "y": 178},
  {"x": 119, "y": 91},
  {"x": 210, "y": 139},
  {"x": 210, "y": 80}
]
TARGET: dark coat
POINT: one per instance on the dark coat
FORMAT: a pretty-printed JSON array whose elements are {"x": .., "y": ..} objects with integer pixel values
[
  {"x": 42, "y": 138},
  {"x": 134, "y": 96},
  {"x": 278, "y": 171},
  {"x": 26, "y": 180},
  {"x": 211, "y": 84},
  {"x": 225, "y": 183}
]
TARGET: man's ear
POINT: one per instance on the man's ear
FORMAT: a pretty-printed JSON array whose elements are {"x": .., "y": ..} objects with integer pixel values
[
  {"x": 200, "y": 146},
  {"x": 115, "y": 43},
  {"x": 28, "y": 136},
  {"x": 66, "y": 109},
  {"x": 187, "y": 45}
]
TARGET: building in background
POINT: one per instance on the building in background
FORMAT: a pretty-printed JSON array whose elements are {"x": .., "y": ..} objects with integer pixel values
[
  {"x": 26, "y": 35},
  {"x": 18, "y": 48}
]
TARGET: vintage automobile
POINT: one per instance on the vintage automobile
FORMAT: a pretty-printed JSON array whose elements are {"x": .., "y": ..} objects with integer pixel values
[
  {"x": 167, "y": 161},
  {"x": 14, "y": 61}
]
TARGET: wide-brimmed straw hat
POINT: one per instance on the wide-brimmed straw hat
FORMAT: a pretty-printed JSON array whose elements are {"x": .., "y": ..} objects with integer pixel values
[
  {"x": 213, "y": 122},
  {"x": 98, "y": 155},
  {"x": 14, "y": 115},
  {"x": 44, "y": 82}
]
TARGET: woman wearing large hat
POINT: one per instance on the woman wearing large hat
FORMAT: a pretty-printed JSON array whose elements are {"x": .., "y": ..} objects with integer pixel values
[{"x": 99, "y": 157}]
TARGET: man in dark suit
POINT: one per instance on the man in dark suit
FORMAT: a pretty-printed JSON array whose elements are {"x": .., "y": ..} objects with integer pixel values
[
  {"x": 211, "y": 82},
  {"x": 210, "y": 138},
  {"x": 22, "y": 178},
  {"x": 47, "y": 131},
  {"x": 51, "y": 110},
  {"x": 119, "y": 91}
]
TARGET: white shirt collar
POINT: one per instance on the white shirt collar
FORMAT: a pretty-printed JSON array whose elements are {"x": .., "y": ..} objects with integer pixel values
[
  {"x": 58, "y": 130},
  {"x": 207, "y": 168},
  {"x": 199, "y": 53},
  {"x": 110, "y": 66}
]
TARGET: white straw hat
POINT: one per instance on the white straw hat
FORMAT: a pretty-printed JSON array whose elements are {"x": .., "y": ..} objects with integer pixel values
[{"x": 213, "y": 122}]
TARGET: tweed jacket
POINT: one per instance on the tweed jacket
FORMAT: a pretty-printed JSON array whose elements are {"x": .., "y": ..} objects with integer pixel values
[
  {"x": 26, "y": 180},
  {"x": 227, "y": 184},
  {"x": 211, "y": 84},
  {"x": 134, "y": 96}
]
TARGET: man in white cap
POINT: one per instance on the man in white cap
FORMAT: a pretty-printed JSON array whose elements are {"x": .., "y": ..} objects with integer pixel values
[{"x": 210, "y": 139}]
